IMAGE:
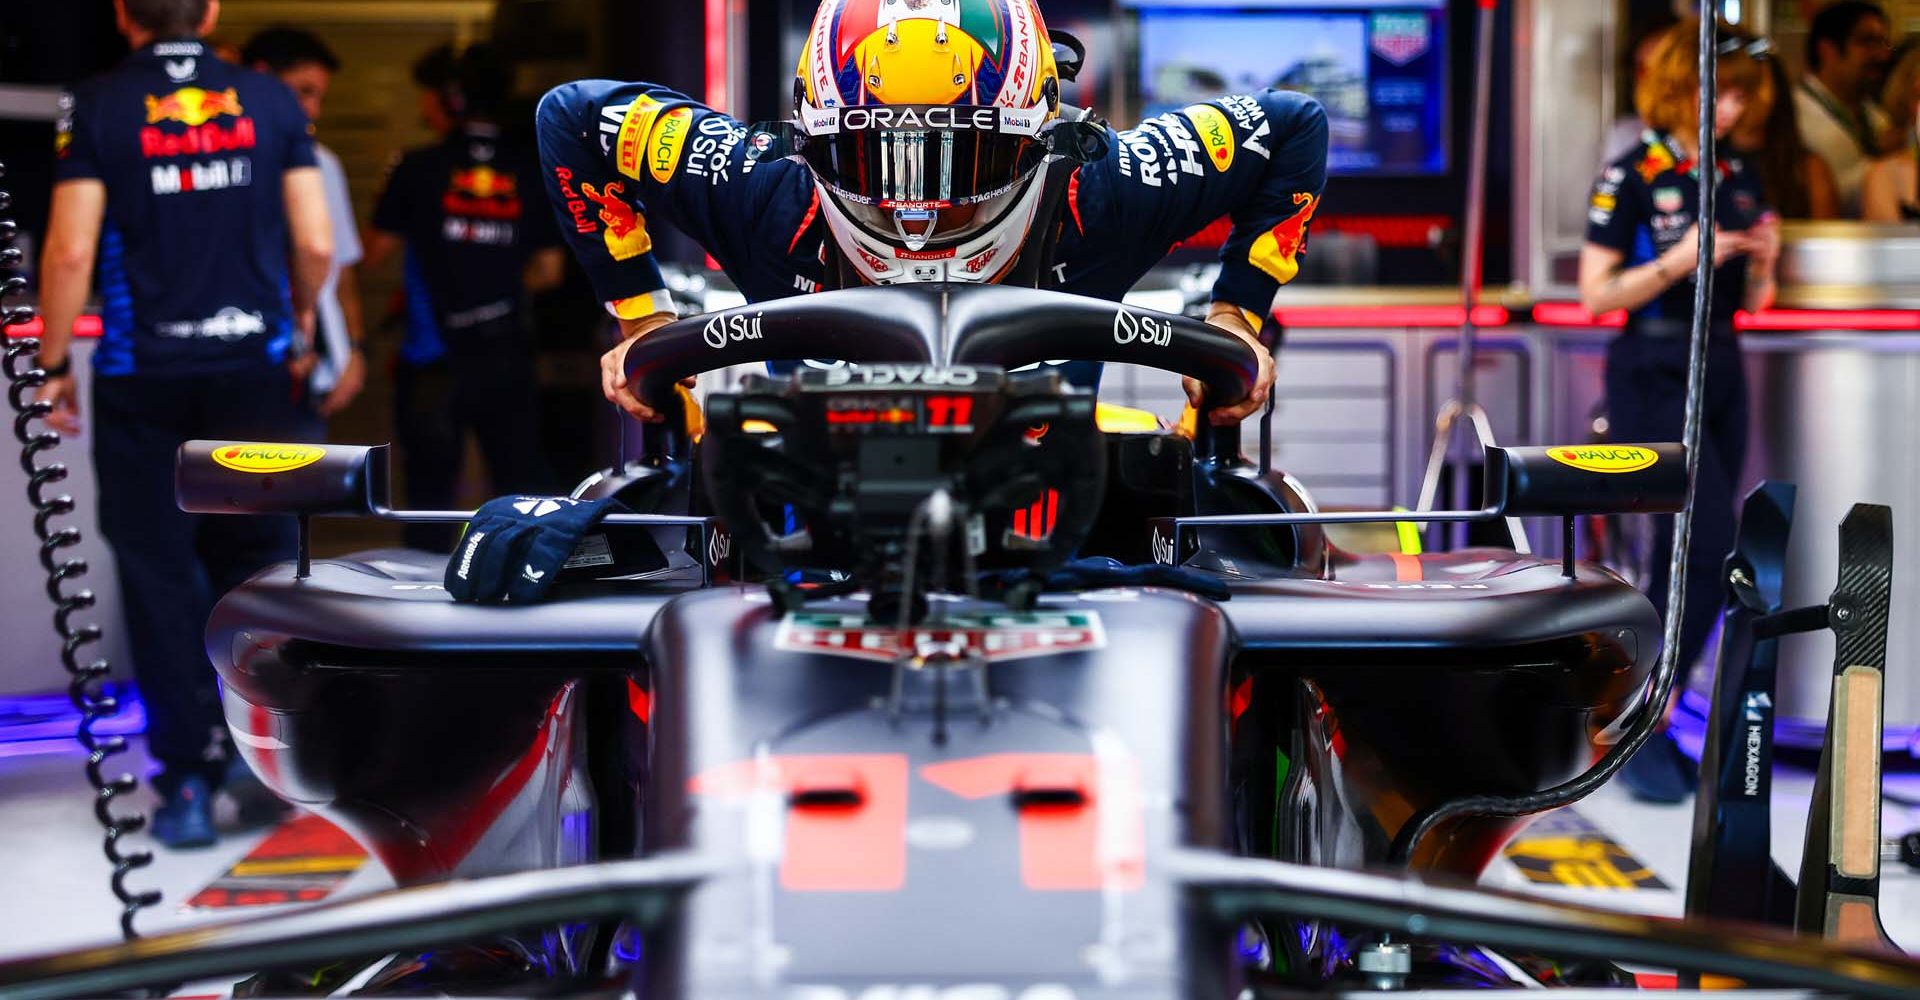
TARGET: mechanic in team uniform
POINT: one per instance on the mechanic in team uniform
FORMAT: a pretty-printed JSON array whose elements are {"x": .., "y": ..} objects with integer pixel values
[
  {"x": 922, "y": 142},
  {"x": 1642, "y": 240},
  {"x": 478, "y": 241},
  {"x": 186, "y": 180}
]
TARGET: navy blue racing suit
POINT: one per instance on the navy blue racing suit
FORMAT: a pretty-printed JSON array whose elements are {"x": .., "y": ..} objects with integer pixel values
[
  {"x": 196, "y": 323},
  {"x": 1257, "y": 160}
]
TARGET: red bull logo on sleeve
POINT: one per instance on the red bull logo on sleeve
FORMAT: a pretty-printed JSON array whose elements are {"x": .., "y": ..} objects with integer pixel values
[
  {"x": 626, "y": 233},
  {"x": 1277, "y": 251},
  {"x": 576, "y": 205}
]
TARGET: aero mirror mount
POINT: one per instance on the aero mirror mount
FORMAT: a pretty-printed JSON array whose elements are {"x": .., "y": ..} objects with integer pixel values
[
  {"x": 304, "y": 480},
  {"x": 1566, "y": 481}
]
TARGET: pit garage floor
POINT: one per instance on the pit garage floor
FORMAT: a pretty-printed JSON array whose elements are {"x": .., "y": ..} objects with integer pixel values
[{"x": 55, "y": 896}]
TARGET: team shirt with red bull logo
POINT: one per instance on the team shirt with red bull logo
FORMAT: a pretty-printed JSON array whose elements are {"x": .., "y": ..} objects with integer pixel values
[
  {"x": 1257, "y": 160},
  {"x": 193, "y": 254},
  {"x": 464, "y": 209},
  {"x": 1644, "y": 203}
]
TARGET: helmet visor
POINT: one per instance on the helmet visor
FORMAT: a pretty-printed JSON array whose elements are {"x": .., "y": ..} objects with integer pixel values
[
  {"x": 931, "y": 156},
  {"x": 929, "y": 226}
]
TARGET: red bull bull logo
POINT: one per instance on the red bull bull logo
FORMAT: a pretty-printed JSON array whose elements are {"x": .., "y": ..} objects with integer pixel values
[
  {"x": 482, "y": 192},
  {"x": 626, "y": 233},
  {"x": 1277, "y": 251},
  {"x": 192, "y": 107},
  {"x": 485, "y": 182},
  {"x": 196, "y": 109}
]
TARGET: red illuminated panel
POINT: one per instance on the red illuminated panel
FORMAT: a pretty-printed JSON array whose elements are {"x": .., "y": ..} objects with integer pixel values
[
  {"x": 1344, "y": 317},
  {"x": 1036, "y": 521},
  {"x": 716, "y": 18},
  {"x": 1828, "y": 319},
  {"x": 950, "y": 412},
  {"x": 1097, "y": 842},
  {"x": 1575, "y": 314},
  {"x": 85, "y": 326},
  {"x": 891, "y": 416}
]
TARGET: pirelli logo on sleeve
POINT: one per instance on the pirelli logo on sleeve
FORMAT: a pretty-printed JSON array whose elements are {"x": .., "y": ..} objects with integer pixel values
[{"x": 630, "y": 145}]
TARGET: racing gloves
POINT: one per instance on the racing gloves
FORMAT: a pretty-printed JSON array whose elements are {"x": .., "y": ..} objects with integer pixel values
[{"x": 515, "y": 547}]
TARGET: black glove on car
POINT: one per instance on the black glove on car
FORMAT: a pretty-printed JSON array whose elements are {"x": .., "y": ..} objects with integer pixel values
[{"x": 515, "y": 546}]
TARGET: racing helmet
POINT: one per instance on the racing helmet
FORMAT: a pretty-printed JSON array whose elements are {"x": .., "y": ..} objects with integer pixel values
[{"x": 922, "y": 121}]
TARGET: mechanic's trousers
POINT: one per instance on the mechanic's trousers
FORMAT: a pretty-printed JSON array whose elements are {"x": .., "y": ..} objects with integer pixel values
[
  {"x": 173, "y": 566},
  {"x": 491, "y": 393},
  {"x": 1646, "y": 403}
]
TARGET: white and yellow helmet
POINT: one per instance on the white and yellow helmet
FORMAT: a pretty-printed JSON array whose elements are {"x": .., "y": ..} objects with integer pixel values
[{"x": 922, "y": 122}]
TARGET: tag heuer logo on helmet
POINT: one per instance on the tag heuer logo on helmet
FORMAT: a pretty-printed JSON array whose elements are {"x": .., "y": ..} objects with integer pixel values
[{"x": 859, "y": 119}]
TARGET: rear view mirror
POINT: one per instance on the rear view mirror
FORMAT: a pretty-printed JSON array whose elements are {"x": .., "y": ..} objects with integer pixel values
[
  {"x": 1567, "y": 480},
  {"x": 243, "y": 477}
]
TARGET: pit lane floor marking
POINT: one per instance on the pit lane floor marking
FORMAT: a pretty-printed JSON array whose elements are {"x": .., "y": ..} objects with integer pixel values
[
  {"x": 1562, "y": 848},
  {"x": 303, "y": 861},
  {"x": 1661, "y": 836}
]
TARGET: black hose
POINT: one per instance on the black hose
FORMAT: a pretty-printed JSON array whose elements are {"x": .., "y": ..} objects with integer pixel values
[
  {"x": 86, "y": 688},
  {"x": 1666, "y": 672}
]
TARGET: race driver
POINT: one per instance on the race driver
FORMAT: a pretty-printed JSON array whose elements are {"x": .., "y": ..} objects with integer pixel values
[{"x": 929, "y": 143}]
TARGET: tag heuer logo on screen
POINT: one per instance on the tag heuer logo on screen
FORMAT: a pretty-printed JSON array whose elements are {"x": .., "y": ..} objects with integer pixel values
[{"x": 1400, "y": 38}]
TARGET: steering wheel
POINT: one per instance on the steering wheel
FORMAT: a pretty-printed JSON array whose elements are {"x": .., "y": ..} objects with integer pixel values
[
  {"x": 988, "y": 325},
  {"x": 856, "y": 325},
  {"x": 1014, "y": 327}
]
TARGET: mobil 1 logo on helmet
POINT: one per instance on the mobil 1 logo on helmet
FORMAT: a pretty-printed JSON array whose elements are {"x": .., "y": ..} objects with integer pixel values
[
  {"x": 722, "y": 330},
  {"x": 1146, "y": 330}
]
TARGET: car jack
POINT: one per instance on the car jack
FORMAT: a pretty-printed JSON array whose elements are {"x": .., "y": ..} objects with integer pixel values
[{"x": 1731, "y": 873}]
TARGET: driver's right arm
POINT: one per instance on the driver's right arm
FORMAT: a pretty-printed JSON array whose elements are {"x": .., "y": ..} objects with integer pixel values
[
  {"x": 610, "y": 153},
  {"x": 613, "y": 367}
]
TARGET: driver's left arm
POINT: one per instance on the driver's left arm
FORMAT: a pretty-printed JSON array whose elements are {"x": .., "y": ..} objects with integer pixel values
[{"x": 1256, "y": 161}]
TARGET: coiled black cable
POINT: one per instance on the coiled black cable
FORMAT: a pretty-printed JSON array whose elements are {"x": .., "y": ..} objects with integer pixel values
[
  {"x": 1651, "y": 711},
  {"x": 87, "y": 685}
]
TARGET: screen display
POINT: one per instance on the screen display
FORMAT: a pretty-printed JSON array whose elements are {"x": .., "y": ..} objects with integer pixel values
[{"x": 1380, "y": 71}]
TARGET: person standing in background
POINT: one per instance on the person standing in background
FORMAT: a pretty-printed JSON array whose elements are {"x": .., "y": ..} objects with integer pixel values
[
  {"x": 1849, "y": 45},
  {"x": 1891, "y": 191},
  {"x": 305, "y": 64},
  {"x": 1794, "y": 180},
  {"x": 1643, "y": 232},
  {"x": 191, "y": 183},
  {"x": 471, "y": 215}
]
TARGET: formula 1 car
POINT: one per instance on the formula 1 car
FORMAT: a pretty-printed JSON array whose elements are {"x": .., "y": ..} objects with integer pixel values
[{"x": 887, "y": 733}]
